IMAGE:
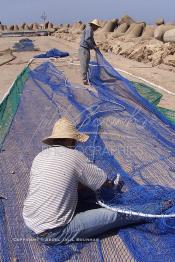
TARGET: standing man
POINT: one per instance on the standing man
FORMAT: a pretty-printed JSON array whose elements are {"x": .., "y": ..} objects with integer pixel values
[{"x": 86, "y": 44}]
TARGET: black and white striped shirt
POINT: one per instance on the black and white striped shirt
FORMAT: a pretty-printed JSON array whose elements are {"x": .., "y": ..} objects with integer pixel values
[{"x": 52, "y": 195}]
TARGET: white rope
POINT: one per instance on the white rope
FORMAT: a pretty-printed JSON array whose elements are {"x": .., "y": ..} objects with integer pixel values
[
  {"x": 124, "y": 211},
  {"x": 143, "y": 79},
  {"x": 128, "y": 212}
]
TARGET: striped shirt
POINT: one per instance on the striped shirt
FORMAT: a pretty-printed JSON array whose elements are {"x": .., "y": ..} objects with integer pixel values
[{"x": 53, "y": 190}]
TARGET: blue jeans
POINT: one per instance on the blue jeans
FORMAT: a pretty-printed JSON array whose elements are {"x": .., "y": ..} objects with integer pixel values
[{"x": 93, "y": 223}]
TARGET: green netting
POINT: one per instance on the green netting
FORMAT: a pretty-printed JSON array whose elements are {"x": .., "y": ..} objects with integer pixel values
[
  {"x": 154, "y": 97},
  {"x": 148, "y": 92},
  {"x": 10, "y": 104},
  {"x": 170, "y": 114}
]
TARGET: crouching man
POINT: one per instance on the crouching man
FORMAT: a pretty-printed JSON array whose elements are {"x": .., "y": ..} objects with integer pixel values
[{"x": 50, "y": 207}]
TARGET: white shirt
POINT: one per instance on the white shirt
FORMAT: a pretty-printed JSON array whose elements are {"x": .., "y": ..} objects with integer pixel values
[{"x": 52, "y": 195}]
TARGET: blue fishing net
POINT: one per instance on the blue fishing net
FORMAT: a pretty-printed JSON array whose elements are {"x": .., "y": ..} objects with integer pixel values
[
  {"x": 24, "y": 44},
  {"x": 128, "y": 136},
  {"x": 52, "y": 53}
]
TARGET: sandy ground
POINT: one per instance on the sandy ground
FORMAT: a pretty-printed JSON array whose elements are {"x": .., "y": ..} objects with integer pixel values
[{"x": 157, "y": 75}]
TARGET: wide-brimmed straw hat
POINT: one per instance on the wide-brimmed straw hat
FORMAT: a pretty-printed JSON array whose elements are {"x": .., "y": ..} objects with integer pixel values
[
  {"x": 95, "y": 22},
  {"x": 62, "y": 129}
]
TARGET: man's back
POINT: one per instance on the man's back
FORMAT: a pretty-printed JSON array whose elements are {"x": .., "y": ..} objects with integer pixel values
[{"x": 52, "y": 196}]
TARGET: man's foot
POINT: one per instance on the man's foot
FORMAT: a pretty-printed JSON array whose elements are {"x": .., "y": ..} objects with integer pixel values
[{"x": 85, "y": 82}]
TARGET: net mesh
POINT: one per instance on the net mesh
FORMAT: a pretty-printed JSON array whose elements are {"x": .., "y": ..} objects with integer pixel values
[
  {"x": 148, "y": 92},
  {"x": 23, "y": 45},
  {"x": 128, "y": 135}
]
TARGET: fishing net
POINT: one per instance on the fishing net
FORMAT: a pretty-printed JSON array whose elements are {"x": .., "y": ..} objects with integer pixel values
[
  {"x": 170, "y": 114},
  {"x": 24, "y": 44},
  {"x": 148, "y": 92},
  {"x": 52, "y": 53},
  {"x": 128, "y": 136}
]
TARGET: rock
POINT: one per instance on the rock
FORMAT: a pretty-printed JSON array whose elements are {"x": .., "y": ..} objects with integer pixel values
[
  {"x": 169, "y": 36},
  {"x": 26, "y": 27},
  {"x": 50, "y": 25},
  {"x": 65, "y": 26},
  {"x": 23, "y": 25},
  {"x": 79, "y": 25},
  {"x": 170, "y": 23},
  {"x": 35, "y": 26},
  {"x": 62, "y": 30},
  {"x": 126, "y": 19},
  {"x": 152, "y": 51},
  {"x": 30, "y": 26},
  {"x": 20, "y": 28},
  {"x": 160, "y": 21},
  {"x": 46, "y": 25},
  {"x": 105, "y": 46},
  {"x": 135, "y": 30},
  {"x": 77, "y": 28},
  {"x": 121, "y": 29},
  {"x": 102, "y": 22},
  {"x": 1, "y": 27},
  {"x": 110, "y": 26},
  {"x": 124, "y": 49},
  {"x": 11, "y": 27},
  {"x": 116, "y": 49},
  {"x": 160, "y": 31},
  {"x": 138, "y": 54},
  {"x": 159, "y": 51},
  {"x": 16, "y": 28},
  {"x": 148, "y": 31},
  {"x": 169, "y": 60},
  {"x": 56, "y": 27}
]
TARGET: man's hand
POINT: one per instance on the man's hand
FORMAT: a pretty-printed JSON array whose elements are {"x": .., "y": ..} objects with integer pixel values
[{"x": 108, "y": 184}]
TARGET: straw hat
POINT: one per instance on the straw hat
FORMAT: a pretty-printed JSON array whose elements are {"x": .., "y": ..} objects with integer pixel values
[
  {"x": 95, "y": 22},
  {"x": 63, "y": 128}
]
